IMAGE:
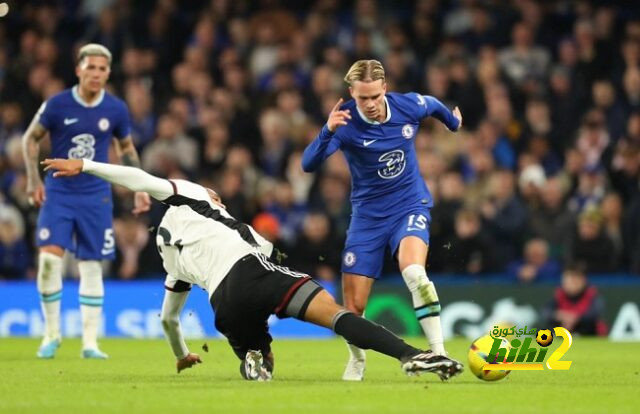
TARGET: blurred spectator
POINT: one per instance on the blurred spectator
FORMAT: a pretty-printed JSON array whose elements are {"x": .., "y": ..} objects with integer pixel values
[
  {"x": 523, "y": 60},
  {"x": 171, "y": 149},
  {"x": 591, "y": 245},
  {"x": 612, "y": 209},
  {"x": 536, "y": 265},
  {"x": 450, "y": 199},
  {"x": 590, "y": 190},
  {"x": 143, "y": 120},
  {"x": 468, "y": 250},
  {"x": 531, "y": 183},
  {"x": 275, "y": 143},
  {"x": 289, "y": 213},
  {"x": 267, "y": 226},
  {"x": 316, "y": 252},
  {"x": 504, "y": 215},
  {"x": 135, "y": 250},
  {"x": 552, "y": 221},
  {"x": 604, "y": 99},
  {"x": 576, "y": 305},
  {"x": 15, "y": 257}
]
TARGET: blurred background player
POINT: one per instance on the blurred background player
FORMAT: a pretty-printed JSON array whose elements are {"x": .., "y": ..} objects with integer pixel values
[
  {"x": 200, "y": 243},
  {"x": 76, "y": 214},
  {"x": 390, "y": 201}
]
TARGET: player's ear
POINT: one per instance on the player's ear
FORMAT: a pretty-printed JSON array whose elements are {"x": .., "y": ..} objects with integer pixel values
[
  {"x": 351, "y": 91},
  {"x": 384, "y": 86}
]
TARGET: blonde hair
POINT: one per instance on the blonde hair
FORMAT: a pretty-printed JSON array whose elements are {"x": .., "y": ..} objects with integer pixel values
[
  {"x": 93, "y": 49},
  {"x": 367, "y": 70}
]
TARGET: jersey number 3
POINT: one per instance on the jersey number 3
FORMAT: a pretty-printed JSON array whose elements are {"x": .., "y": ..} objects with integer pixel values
[{"x": 85, "y": 147}]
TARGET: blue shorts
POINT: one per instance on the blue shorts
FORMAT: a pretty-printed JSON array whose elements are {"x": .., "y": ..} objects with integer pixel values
[
  {"x": 80, "y": 224},
  {"x": 368, "y": 239}
]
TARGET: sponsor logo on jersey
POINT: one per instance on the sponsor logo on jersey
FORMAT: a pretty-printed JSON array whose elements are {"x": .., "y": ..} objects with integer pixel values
[
  {"x": 349, "y": 258},
  {"x": 69, "y": 121},
  {"x": 407, "y": 131},
  {"x": 394, "y": 163},
  {"x": 84, "y": 147},
  {"x": 103, "y": 124},
  {"x": 44, "y": 233},
  {"x": 367, "y": 142}
]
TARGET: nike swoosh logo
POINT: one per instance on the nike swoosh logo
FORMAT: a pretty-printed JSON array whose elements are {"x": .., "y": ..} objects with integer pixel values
[
  {"x": 69, "y": 121},
  {"x": 369, "y": 142},
  {"x": 107, "y": 251}
]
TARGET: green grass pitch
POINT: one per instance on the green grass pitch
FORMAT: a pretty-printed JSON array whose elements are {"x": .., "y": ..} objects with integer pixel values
[{"x": 140, "y": 378}]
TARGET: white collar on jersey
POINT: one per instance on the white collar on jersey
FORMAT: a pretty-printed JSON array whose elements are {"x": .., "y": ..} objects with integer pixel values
[
  {"x": 76, "y": 96},
  {"x": 372, "y": 121}
]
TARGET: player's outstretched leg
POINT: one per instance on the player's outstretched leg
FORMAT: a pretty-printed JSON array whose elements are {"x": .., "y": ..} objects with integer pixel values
[
  {"x": 91, "y": 299},
  {"x": 50, "y": 288},
  {"x": 323, "y": 311}
]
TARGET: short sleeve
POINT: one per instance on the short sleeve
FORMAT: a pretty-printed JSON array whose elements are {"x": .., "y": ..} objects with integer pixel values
[
  {"x": 176, "y": 285},
  {"x": 44, "y": 115},
  {"x": 123, "y": 125}
]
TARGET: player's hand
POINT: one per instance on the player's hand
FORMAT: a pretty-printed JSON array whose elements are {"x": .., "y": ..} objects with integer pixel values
[
  {"x": 36, "y": 195},
  {"x": 64, "y": 168},
  {"x": 458, "y": 115},
  {"x": 141, "y": 203},
  {"x": 337, "y": 118},
  {"x": 188, "y": 361}
]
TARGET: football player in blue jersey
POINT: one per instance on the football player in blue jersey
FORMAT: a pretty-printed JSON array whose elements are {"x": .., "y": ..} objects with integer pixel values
[
  {"x": 391, "y": 203},
  {"x": 76, "y": 214}
]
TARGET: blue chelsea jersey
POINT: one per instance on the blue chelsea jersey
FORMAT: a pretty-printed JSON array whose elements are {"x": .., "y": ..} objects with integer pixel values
[
  {"x": 385, "y": 176},
  {"x": 78, "y": 130}
]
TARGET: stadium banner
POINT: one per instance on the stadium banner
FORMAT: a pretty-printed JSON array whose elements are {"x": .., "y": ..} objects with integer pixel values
[
  {"x": 131, "y": 309},
  {"x": 472, "y": 308},
  {"x": 469, "y": 308}
]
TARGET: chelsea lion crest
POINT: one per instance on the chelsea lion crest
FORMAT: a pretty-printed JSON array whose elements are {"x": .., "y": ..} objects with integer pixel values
[
  {"x": 349, "y": 259},
  {"x": 103, "y": 124}
]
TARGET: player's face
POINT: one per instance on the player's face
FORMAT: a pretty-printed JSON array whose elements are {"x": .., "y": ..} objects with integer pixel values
[
  {"x": 93, "y": 72},
  {"x": 369, "y": 97}
]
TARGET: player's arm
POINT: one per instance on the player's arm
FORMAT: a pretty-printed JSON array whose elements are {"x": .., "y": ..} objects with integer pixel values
[
  {"x": 31, "y": 153},
  {"x": 174, "y": 299},
  {"x": 129, "y": 157},
  {"x": 436, "y": 109},
  {"x": 325, "y": 144},
  {"x": 132, "y": 178}
]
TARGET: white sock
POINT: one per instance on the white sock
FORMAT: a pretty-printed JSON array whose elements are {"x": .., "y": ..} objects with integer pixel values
[
  {"x": 426, "y": 305},
  {"x": 91, "y": 299},
  {"x": 356, "y": 353},
  {"x": 50, "y": 288}
]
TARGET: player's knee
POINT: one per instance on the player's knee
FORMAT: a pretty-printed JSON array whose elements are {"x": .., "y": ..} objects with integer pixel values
[
  {"x": 356, "y": 305},
  {"x": 49, "y": 273},
  {"x": 414, "y": 276},
  {"x": 52, "y": 249}
]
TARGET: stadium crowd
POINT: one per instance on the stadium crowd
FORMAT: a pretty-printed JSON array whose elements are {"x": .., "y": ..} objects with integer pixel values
[{"x": 546, "y": 170}]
